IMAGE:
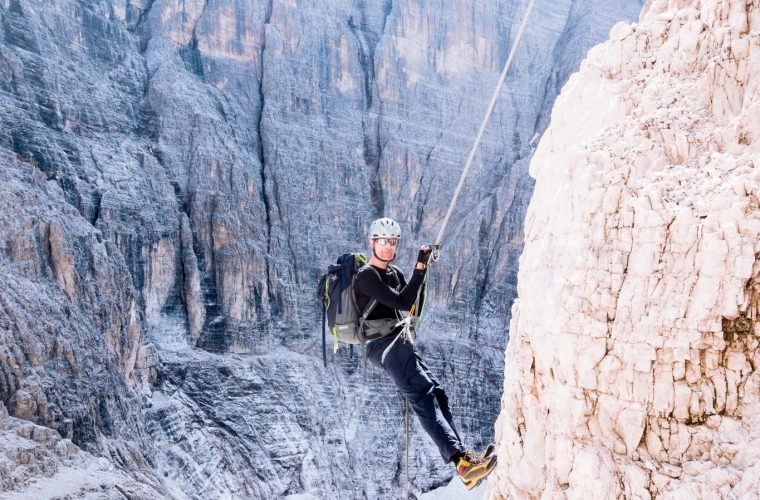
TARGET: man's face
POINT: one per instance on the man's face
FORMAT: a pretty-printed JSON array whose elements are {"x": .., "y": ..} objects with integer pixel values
[{"x": 385, "y": 248}]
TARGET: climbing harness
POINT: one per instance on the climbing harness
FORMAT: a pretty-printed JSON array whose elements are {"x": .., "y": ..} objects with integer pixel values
[{"x": 408, "y": 331}]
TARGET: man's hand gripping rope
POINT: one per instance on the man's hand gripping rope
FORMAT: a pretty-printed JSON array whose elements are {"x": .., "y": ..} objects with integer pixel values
[{"x": 426, "y": 255}]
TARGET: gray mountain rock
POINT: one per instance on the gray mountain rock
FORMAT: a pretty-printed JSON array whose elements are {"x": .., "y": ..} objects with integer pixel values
[
  {"x": 175, "y": 176},
  {"x": 50, "y": 466}
]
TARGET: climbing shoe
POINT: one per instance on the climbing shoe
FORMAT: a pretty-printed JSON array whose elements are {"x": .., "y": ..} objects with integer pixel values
[
  {"x": 485, "y": 454},
  {"x": 472, "y": 468}
]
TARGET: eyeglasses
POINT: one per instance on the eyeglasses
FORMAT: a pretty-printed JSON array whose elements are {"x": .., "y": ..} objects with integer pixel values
[{"x": 383, "y": 242}]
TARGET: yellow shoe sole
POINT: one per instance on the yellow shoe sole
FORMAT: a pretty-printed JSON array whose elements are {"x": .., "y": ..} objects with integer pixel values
[{"x": 475, "y": 481}]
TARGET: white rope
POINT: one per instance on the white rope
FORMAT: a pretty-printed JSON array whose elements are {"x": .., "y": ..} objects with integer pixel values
[
  {"x": 485, "y": 121},
  {"x": 408, "y": 330},
  {"x": 406, "y": 333}
]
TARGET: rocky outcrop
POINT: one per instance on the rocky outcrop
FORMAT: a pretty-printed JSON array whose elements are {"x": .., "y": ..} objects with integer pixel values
[
  {"x": 632, "y": 364},
  {"x": 69, "y": 313},
  {"x": 48, "y": 466}
]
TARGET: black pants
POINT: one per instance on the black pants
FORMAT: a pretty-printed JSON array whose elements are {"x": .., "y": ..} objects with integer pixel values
[{"x": 415, "y": 381}]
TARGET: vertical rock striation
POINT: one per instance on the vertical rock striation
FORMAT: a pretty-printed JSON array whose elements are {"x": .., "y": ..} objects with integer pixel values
[{"x": 631, "y": 369}]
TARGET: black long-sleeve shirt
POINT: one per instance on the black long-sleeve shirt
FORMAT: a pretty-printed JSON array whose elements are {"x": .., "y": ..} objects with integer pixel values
[{"x": 391, "y": 295}]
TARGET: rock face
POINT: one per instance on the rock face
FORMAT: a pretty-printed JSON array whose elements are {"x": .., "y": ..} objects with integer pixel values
[
  {"x": 175, "y": 174},
  {"x": 631, "y": 369},
  {"x": 50, "y": 466}
]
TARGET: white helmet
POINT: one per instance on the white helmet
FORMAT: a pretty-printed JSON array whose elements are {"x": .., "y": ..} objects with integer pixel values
[{"x": 384, "y": 228}]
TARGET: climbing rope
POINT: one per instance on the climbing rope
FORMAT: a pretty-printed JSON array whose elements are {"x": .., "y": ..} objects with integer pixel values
[
  {"x": 487, "y": 116},
  {"x": 407, "y": 322},
  {"x": 408, "y": 330},
  {"x": 408, "y": 429}
]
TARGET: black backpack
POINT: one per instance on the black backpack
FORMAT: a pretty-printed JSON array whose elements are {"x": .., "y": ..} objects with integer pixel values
[{"x": 339, "y": 310}]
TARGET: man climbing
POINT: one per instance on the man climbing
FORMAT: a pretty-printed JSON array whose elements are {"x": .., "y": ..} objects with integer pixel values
[{"x": 392, "y": 351}]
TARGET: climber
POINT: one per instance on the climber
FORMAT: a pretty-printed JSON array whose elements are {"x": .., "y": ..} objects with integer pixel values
[{"x": 395, "y": 353}]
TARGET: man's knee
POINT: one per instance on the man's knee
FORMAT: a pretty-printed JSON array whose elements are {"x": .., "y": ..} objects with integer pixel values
[
  {"x": 440, "y": 395},
  {"x": 419, "y": 387}
]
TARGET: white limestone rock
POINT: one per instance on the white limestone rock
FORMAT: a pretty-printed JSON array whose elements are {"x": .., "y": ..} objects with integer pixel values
[{"x": 643, "y": 237}]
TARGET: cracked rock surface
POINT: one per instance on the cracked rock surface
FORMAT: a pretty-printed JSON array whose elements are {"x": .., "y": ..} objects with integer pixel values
[
  {"x": 632, "y": 366},
  {"x": 50, "y": 466}
]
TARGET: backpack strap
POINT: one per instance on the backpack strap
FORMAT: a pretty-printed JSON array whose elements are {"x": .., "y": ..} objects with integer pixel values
[
  {"x": 324, "y": 341},
  {"x": 370, "y": 306},
  {"x": 398, "y": 288},
  {"x": 372, "y": 303},
  {"x": 395, "y": 275},
  {"x": 369, "y": 309}
]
